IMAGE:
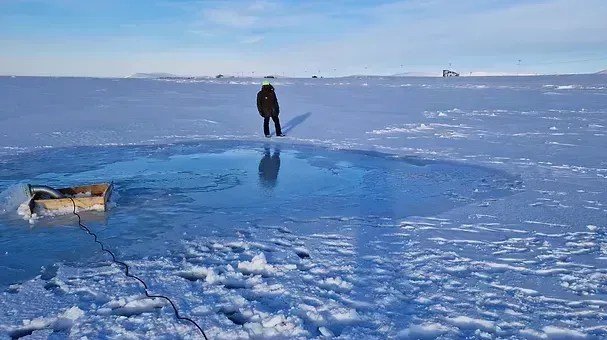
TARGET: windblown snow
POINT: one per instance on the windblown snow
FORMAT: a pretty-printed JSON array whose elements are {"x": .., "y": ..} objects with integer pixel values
[{"x": 413, "y": 208}]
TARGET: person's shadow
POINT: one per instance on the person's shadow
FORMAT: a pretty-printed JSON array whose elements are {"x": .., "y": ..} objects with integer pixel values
[
  {"x": 269, "y": 165},
  {"x": 290, "y": 125}
]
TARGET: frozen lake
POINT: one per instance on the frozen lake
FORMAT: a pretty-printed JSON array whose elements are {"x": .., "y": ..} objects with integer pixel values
[{"x": 395, "y": 207}]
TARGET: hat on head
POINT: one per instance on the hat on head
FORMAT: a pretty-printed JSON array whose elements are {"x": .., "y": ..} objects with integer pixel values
[{"x": 265, "y": 82}]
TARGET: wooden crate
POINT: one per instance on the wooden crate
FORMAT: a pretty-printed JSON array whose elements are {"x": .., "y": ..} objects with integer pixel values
[{"x": 97, "y": 200}]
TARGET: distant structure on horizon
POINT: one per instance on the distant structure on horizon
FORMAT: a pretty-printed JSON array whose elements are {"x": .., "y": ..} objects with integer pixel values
[{"x": 449, "y": 73}]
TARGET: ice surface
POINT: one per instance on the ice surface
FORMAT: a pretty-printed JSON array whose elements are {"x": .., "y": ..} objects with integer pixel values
[{"x": 399, "y": 208}]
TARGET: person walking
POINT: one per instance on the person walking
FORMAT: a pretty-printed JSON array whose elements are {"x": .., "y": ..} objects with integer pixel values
[{"x": 267, "y": 105}]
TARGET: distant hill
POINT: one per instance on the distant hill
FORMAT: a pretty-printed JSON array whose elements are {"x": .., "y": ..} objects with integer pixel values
[
  {"x": 152, "y": 75},
  {"x": 602, "y": 72},
  {"x": 464, "y": 74},
  {"x": 418, "y": 74},
  {"x": 498, "y": 74}
]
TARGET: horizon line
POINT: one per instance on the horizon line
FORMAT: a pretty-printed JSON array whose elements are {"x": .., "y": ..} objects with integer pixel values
[{"x": 161, "y": 75}]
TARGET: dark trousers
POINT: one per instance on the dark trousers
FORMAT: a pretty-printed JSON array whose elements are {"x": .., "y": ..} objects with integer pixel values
[{"x": 266, "y": 125}]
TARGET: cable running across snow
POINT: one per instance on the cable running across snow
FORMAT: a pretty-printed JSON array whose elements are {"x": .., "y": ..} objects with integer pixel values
[{"x": 126, "y": 272}]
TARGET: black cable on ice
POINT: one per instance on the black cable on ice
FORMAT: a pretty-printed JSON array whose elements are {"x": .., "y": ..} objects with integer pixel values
[{"x": 126, "y": 272}]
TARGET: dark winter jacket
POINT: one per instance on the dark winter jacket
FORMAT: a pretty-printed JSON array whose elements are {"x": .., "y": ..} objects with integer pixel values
[{"x": 267, "y": 103}]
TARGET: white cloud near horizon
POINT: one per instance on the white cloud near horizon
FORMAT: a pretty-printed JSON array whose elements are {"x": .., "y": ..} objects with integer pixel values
[
  {"x": 536, "y": 30},
  {"x": 230, "y": 18},
  {"x": 302, "y": 38},
  {"x": 252, "y": 39}
]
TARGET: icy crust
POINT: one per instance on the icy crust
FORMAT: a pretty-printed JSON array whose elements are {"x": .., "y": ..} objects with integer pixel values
[
  {"x": 431, "y": 286},
  {"x": 12, "y": 198},
  {"x": 60, "y": 323},
  {"x": 24, "y": 211}
]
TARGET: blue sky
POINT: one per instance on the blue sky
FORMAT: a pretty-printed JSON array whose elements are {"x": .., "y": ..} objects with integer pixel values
[{"x": 340, "y": 37}]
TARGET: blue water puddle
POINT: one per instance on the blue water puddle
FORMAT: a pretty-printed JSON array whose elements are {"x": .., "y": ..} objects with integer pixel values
[{"x": 167, "y": 194}]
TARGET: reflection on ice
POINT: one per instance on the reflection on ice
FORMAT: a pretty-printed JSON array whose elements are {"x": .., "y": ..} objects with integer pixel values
[{"x": 269, "y": 165}]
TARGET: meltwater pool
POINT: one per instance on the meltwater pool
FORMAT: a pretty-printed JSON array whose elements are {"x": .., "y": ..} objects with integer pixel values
[{"x": 164, "y": 195}]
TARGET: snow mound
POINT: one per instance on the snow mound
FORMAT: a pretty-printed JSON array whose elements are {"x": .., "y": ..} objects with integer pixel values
[
  {"x": 130, "y": 306},
  {"x": 302, "y": 252},
  {"x": 62, "y": 322},
  {"x": 258, "y": 266},
  {"x": 335, "y": 284},
  {"x": 466, "y": 322},
  {"x": 195, "y": 273},
  {"x": 563, "y": 333},
  {"x": 429, "y": 330}
]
